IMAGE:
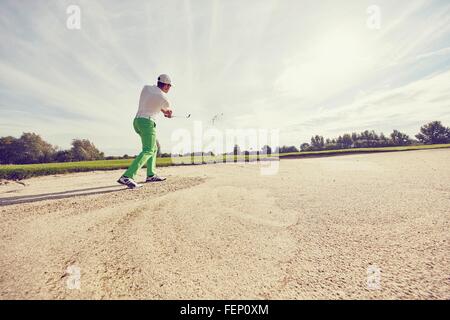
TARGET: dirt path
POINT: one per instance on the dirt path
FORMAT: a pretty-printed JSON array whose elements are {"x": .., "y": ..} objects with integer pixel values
[{"x": 226, "y": 231}]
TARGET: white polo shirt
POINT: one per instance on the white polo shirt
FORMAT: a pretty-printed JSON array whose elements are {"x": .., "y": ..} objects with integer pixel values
[{"x": 152, "y": 100}]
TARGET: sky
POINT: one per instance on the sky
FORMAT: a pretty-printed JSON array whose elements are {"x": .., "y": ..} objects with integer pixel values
[{"x": 300, "y": 67}]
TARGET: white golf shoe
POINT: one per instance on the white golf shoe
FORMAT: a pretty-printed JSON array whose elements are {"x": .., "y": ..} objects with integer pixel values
[
  {"x": 130, "y": 183},
  {"x": 155, "y": 178}
]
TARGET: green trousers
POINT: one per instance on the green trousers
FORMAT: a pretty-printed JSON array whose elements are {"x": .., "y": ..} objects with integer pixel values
[{"x": 145, "y": 128}]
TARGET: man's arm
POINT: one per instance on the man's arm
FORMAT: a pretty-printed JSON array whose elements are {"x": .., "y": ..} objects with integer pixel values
[{"x": 166, "y": 110}]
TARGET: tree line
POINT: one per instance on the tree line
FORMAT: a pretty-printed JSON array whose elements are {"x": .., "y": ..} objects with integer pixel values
[
  {"x": 31, "y": 148},
  {"x": 431, "y": 133}
]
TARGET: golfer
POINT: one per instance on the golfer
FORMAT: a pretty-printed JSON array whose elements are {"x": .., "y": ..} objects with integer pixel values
[{"x": 152, "y": 101}]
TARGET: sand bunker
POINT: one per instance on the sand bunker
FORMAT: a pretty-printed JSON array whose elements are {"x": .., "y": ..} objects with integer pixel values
[{"x": 358, "y": 226}]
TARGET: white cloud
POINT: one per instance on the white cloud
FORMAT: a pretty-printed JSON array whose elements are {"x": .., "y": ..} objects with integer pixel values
[
  {"x": 440, "y": 52},
  {"x": 264, "y": 64},
  {"x": 405, "y": 108}
]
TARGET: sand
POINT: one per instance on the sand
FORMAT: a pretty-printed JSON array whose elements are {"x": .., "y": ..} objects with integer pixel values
[{"x": 349, "y": 227}]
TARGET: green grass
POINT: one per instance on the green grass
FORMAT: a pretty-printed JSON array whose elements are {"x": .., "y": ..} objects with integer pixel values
[
  {"x": 362, "y": 150},
  {"x": 18, "y": 172}
]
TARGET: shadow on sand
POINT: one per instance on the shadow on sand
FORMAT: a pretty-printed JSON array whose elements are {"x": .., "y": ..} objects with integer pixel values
[{"x": 60, "y": 195}]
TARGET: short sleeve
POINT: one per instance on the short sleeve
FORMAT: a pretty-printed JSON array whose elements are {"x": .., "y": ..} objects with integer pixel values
[{"x": 165, "y": 104}]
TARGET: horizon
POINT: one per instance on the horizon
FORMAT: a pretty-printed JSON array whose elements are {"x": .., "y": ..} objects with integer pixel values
[
  {"x": 246, "y": 146},
  {"x": 306, "y": 68}
]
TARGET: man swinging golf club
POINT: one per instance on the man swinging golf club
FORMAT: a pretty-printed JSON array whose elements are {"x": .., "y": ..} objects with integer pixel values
[{"x": 152, "y": 101}]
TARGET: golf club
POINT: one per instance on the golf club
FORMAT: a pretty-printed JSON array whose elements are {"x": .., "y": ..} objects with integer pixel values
[{"x": 188, "y": 116}]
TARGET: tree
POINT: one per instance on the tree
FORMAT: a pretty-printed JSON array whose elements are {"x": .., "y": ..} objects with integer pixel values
[
  {"x": 305, "y": 147},
  {"x": 7, "y": 154},
  {"x": 347, "y": 141},
  {"x": 400, "y": 139},
  {"x": 30, "y": 148},
  {"x": 433, "y": 133},
  {"x": 384, "y": 141},
  {"x": 317, "y": 142},
  {"x": 63, "y": 156},
  {"x": 166, "y": 155},
  {"x": 330, "y": 144},
  {"x": 355, "y": 138},
  {"x": 84, "y": 150},
  {"x": 368, "y": 139},
  {"x": 286, "y": 149},
  {"x": 266, "y": 150}
]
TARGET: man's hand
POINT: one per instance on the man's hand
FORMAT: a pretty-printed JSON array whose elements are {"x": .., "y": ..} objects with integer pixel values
[{"x": 167, "y": 113}]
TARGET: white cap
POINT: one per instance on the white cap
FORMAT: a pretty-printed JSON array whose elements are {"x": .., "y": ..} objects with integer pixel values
[{"x": 164, "y": 78}]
